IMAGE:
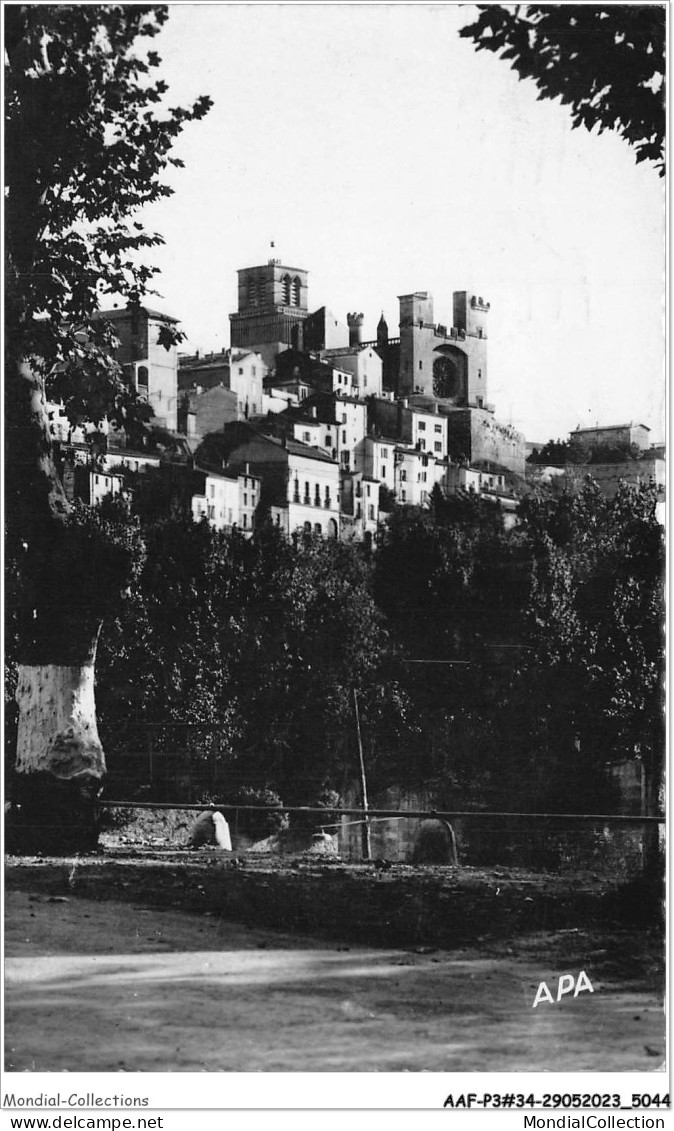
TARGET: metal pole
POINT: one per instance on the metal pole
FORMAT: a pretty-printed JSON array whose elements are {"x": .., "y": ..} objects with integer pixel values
[{"x": 367, "y": 844}]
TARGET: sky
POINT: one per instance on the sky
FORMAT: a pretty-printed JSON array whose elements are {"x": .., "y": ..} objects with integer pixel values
[{"x": 383, "y": 154}]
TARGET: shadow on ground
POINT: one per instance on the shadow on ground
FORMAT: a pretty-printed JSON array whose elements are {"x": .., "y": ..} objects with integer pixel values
[{"x": 94, "y": 986}]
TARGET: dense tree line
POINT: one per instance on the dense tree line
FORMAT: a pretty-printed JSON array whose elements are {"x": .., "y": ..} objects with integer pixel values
[
  {"x": 505, "y": 669},
  {"x": 560, "y": 453}
]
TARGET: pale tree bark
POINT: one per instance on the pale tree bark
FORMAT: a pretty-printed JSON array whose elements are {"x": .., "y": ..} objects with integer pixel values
[
  {"x": 67, "y": 582},
  {"x": 58, "y": 733}
]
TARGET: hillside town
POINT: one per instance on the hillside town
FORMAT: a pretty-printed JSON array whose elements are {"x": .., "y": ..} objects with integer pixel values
[
  {"x": 319, "y": 430},
  {"x": 334, "y": 721}
]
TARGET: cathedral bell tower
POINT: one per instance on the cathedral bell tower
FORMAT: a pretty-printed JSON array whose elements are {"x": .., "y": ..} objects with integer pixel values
[{"x": 272, "y": 309}]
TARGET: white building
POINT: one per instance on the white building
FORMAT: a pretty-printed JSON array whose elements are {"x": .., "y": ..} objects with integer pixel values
[
  {"x": 299, "y": 483},
  {"x": 364, "y": 366},
  {"x": 359, "y": 506},
  {"x": 377, "y": 460},
  {"x": 247, "y": 372},
  {"x": 226, "y": 500},
  {"x": 416, "y": 473}
]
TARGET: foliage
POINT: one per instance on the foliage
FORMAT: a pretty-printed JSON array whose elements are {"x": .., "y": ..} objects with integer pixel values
[
  {"x": 598, "y": 608},
  {"x": 606, "y": 63},
  {"x": 560, "y": 453},
  {"x": 549, "y": 638},
  {"x": 84, "y": 151},
  {"x": 262, "y": 640}
]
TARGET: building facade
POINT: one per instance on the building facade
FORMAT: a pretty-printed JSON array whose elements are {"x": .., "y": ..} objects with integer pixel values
[
  {"x": 272, "y": 309},
  {"x": 148, "y": 365}
]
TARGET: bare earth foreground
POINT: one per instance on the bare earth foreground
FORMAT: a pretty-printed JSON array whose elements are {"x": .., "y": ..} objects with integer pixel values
[{"x": 113, "y": 986}]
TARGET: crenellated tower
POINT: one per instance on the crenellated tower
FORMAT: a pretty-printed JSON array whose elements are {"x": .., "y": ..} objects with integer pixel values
[{"x": 445, "y": 362}]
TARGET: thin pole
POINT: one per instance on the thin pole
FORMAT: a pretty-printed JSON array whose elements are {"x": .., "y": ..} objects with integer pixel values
[{"x": 367, "y": 844}]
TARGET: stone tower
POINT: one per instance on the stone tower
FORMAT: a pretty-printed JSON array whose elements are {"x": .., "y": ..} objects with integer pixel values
[
  {"x": 272, "y": 309},
  {"x": 450, "y": 363},
  {"x": 355, "y": 324}
]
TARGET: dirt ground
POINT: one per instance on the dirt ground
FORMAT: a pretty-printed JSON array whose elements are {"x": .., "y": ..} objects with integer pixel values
[{"x": 110, "y": 986}]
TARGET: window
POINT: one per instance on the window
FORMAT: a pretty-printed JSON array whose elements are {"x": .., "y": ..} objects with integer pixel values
[
  {"x": 403, "y": 476},
  {"x": 437, "y": 446},
  {"x": 211, "y": 490},
  {"x": 421, "y": 426},
  {"x": 384, "y": 453},
  {"x": 96, "y": 480},
  {"x": 253, "y": 370},
  {"x": 318, "y": 529},
  {"x": 317, "y": 496},
  {"x": 421, "y": 364},
  {"x": 306, "y": 436},
  {"x": 403, "y": 496},
  {"x": 211, "y": 512},
  {"x": 286, "y": 290},
  {"x": 328, "y": 439},
  {"x": 423, "y": 476},
  {"x": 343, "y": 418},
  {"x": 359, "y": 511},
  {"x": 422, "y": 445},
  {"x": 438, "y": 427},
  {"x": 365, "y": 380},
  {"x": 370, "y": 513},
  {"x": 245, "y": 500},
  {"x": 295, "y": 295},
  {"x": 345, "y": 459},
  {"x": 240, "y": 371},
  {"x": 307, "y": 495},
  {"x": 327, "y": 496},
  {"x": 368, "y": 489},
  {"x": 296, "y": 491},
  {"x": 343, "y": 435},
  {"x": 245, "y": 520}
]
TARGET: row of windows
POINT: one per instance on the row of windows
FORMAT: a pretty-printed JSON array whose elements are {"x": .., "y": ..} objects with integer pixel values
[
  {"x": 422, "y": 476},
  {"x": 210, "y": 513},
  {"x": 421, "y": 426},
  {"x": 308, "y": 500},
  {"x": 211, "y": 492},
  {"x": 423, "y": 499}
]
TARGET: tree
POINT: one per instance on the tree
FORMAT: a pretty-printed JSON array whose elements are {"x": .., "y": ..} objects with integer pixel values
[
  {"x": 597, "y": 614},
  {"x": 85, "y": 150},
  {"x": 607, "y": 64}
]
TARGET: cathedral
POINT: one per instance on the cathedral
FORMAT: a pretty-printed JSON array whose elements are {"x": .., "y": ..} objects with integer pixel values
[{"x": 429, "y": 366}]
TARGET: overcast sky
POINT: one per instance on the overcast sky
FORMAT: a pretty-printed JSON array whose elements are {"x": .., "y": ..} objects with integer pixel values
[{"x": 384, "y": 155}]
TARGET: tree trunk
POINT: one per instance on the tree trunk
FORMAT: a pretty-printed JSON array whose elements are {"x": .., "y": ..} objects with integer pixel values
[{"x": 59, "y": 761}]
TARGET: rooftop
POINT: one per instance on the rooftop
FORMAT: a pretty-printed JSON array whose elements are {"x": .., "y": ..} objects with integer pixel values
[{"x": 125, "y": 312}]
